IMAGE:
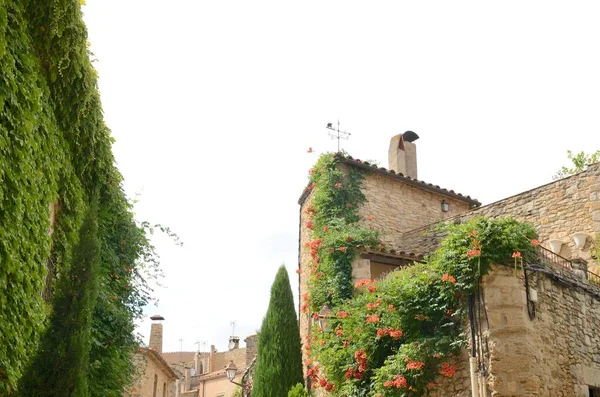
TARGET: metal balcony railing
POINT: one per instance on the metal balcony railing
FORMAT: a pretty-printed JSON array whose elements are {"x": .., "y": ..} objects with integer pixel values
[{"x": 549, "y": 258}]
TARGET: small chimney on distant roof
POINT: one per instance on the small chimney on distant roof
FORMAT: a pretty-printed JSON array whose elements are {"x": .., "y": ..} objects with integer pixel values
[
  {"x": 156, "y": 334},
  {"x": 402, "y": 154}
]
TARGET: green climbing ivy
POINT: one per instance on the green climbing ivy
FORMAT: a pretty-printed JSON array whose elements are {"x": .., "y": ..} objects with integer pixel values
[
  {"x": 55, "y": 154},
  {"x": 398, "y": 335}
]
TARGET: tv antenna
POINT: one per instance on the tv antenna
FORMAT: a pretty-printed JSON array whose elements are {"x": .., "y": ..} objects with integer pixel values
[
  {"x": 197, "y": 348},
  {"x": 337, "y": 133},
  {"x": 232, "y": 328}
]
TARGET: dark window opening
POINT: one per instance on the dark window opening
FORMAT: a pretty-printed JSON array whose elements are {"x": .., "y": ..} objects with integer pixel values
[{"x": 594, "y": 391}]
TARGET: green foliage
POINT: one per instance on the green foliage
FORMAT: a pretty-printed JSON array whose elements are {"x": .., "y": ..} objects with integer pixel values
[
  {"x": 334, "y": 219},
  {"x": 580, "y": 161},
  {"x": 60, "y": 366},
  {"x": 55, "y": 151},
  {"x": 298, "y": 391},
  {"x": 396, "y": 336},
  {"x": 237, "y": 392},
  {"x": 279, "y": 360}
]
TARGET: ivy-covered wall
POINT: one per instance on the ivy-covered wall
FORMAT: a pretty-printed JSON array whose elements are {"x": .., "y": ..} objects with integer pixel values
[{"x": 55, "y": 155}]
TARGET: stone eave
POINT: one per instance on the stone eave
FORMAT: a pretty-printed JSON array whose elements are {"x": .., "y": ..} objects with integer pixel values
[
  {"x": 161, "y": 362},
  {"x": 398, "y": 177}
]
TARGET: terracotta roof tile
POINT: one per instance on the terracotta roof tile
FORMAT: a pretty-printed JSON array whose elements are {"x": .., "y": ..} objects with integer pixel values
[{"x": 397, "y": 176}]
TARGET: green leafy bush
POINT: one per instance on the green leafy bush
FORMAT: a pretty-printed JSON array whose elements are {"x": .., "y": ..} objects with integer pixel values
[
  {"x": 298, "y": 391},
  {"x": 55, "y": 152},
  {"x": 396, "y": 336}
]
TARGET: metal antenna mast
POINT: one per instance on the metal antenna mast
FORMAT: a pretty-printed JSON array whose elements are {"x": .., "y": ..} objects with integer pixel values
[
  {"x": 337, "y": 133},
  {"x": 232, "y": 328}
]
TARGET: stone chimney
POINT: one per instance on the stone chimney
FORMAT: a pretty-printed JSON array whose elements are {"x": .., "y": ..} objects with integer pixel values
[
  {"x": 251, "y": 348},
  {"x": 402, "y": 154},
  {"x": 156, "y": 334},
  {"x": 211, "y": 359}
]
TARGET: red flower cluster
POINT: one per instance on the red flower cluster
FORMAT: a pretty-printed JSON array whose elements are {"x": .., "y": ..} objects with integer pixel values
[
  {"x": 342, "y": 314},
  {"x": 364, "y": 281},
  {"x": 474, "y": 253},
  {"x": 361, "y": 358},
  {"x": 398, "y": 382},
  {"x": 373, "y": 305},
  {"x": 535, "y": 241},
  {"x": 325, "y": 228},
  {"x": 338, "y": 185},
  {"x": 516, "y": 254},
  {"x": 310, "y": 225},
  {"x": 372, "y": 318},
  {"x": 415, "y": 365},
  {"x": 305, "y": 299},
  {"x": 339, "y": 331},
  {"x": 372, "y": 288},
  {"x": 349, "y": 239},
  {"x": 393, "y": 333},
  {"x": 370, "y": 217},
  {"x": 448, "y": 370},
  {"x": 343, "y": 249},
  {"x": 449, "y": 278},
  {"x": 390, "y": 308},
  {"x": 348, "y": 205}
]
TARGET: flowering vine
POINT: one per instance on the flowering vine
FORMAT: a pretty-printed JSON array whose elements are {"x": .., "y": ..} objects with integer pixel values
[
  {"x": 401, "y": 335},
  {"x": 333, "y": 218}
]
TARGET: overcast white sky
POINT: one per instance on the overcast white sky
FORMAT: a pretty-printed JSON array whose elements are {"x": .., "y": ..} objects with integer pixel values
[{"x": 213, "y": 105}]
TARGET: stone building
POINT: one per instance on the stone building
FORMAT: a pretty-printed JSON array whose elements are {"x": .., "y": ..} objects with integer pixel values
[
  {"x": 155, "y": 377},
  {"x": 202, "y": 374},
  {"x": 544, "y": 339}
]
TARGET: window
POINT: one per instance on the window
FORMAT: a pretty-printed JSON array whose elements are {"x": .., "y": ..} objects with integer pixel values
[
  {"x": 155, "y": 385},
  {"x": 164, "y": 389},
  {"x": 594, "y": 391}
]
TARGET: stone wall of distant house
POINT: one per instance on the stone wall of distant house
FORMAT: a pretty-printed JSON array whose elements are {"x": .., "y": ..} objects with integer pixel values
[
  {"x": 149, "y": 371},
  {"x": 398, "y": 207}
]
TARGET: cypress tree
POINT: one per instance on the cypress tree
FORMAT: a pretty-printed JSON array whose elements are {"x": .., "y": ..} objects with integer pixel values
[
  {"x": 60, "y": 366},
  {"x": 279, "y": 360}
]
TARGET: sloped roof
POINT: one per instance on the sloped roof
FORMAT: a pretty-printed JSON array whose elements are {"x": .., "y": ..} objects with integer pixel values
[
  {"x": 179, "y": 357},
  {"x": 397, "y": 176},
  {"x": 161, "y": 361}
]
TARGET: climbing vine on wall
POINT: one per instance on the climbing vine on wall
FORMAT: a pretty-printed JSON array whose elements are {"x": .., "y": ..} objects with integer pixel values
[
  {"x": 336, "y": 232},
  {"x": 55, "y": 153},
  {"x": 398, "y": 336}
]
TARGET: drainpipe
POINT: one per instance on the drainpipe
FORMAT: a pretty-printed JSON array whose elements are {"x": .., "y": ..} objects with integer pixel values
[{"x": 473, "y": 358}]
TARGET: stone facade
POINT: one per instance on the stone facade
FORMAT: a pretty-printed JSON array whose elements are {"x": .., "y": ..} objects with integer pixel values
[
  {"x": 154, "y": 378},
  {"x": 555, "y": 353},
  {"x": 208, "y": 378},
  {"x": 398, "y": 208},
  {"x": 397, "y": 204}
]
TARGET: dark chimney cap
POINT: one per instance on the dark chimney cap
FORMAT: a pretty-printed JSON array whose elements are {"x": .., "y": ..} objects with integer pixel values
[
  {"x": 157, "y": 317},
  {"x": 410, "y": 136}
]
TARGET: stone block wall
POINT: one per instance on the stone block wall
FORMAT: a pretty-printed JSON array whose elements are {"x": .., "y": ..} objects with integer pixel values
[
  {"x": 557, "y": 210},
  {"x": 398, "y": 207},
  {"x": 555, "y": 354}
]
